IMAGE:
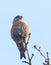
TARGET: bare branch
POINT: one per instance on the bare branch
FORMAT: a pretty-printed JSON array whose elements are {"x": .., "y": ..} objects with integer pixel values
[
  {"x": 47, "y": 60},
  {"x": 32, "y": 56},
  {"x": 38, "y": 49},
  {"x": 25, "y": 62},
  {"x": 29, "y": 58}
]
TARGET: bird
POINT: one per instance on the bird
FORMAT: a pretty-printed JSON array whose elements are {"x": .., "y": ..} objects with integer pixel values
[{"x": 20, "y": 33}]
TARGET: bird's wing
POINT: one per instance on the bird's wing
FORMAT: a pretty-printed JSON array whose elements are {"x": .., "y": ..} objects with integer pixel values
[
  {"x": 28, "y": 33},
  {"x": 18, "y": 30},
  {"x": 21, "y": 30},
  {"x": 25, "y": 26}
]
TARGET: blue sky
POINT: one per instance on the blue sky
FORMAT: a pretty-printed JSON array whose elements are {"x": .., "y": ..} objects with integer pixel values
[{"x": 37, "y": 14}]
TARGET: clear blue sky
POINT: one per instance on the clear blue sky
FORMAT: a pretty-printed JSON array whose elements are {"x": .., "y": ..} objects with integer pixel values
[{"x": 37, "y": 14}]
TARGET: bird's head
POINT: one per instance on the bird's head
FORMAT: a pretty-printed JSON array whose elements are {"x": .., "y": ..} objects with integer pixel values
[{"x": 17, "y": 18}]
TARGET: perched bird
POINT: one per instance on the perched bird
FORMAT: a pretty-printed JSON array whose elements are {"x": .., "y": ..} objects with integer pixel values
[{"x": 20, "y": 33}]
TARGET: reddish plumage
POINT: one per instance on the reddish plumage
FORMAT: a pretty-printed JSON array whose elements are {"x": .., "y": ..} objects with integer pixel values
[{"x": 20, "y": 33}]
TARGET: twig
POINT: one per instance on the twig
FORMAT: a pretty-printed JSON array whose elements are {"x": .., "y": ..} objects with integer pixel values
[
  {"x": 29, "y": 62},
  {"x": 25, "y": 62},
  {"x": 39, "y": 51},
  {"x": 46, "y": 59},
  {"x": 42, "y": 55}
]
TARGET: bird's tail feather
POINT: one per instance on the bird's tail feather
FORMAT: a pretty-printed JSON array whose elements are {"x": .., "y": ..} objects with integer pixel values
[{"x": 22, "y": 55}]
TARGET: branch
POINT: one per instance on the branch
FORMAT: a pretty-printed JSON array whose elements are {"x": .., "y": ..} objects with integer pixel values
[
  {"x": 25, "y": 62},
  {"x": 38, "y": 49},
  {"x": 47, "y": 62},
  {"x": 30, "y": 59}
]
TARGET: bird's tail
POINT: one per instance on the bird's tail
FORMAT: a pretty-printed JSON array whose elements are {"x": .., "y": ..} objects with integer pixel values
[{"x": 22, "y": 54}]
